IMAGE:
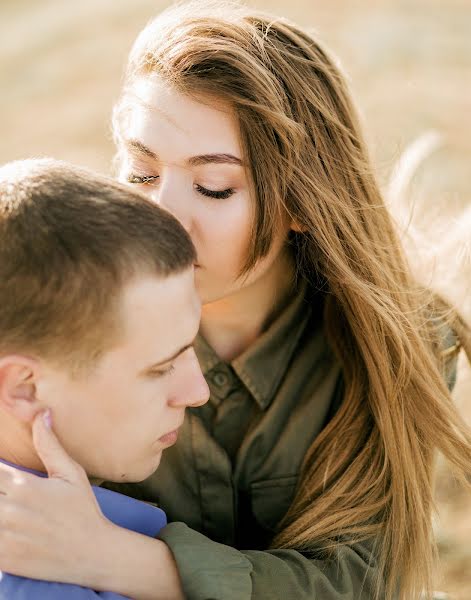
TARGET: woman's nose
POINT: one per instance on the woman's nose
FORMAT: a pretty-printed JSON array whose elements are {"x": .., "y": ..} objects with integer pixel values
[{"x": 172, "y": 196}]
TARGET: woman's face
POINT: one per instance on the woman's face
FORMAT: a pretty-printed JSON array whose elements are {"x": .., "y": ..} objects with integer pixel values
[{"x": 187, "y": 156}]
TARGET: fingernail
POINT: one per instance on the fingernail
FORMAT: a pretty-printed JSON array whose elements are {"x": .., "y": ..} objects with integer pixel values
[{"x": 47, "y": 418}]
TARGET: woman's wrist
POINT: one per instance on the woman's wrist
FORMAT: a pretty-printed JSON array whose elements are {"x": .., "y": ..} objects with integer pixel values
[{"x": 137, "y": 566}]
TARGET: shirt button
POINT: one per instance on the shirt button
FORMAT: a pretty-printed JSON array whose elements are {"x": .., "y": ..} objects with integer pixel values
[{"x": 220, "y": 379}]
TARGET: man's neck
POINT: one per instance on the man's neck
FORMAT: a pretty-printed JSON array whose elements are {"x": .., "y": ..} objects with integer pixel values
[
  {"x": 16, "y": 447},
  {"x": 16, "y": 444}
]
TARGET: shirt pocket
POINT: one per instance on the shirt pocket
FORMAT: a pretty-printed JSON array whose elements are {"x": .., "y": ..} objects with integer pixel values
[{"x": 271, "y": 499}]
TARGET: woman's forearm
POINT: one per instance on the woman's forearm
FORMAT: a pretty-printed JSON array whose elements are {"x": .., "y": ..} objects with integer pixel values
[{"x": 137, "y": 566}]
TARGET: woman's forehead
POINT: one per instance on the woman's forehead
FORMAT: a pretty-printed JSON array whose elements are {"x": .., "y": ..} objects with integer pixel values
[{"x": 154, "y": 105}]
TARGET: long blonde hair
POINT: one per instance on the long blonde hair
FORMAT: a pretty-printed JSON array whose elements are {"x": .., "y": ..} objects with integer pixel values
[{"x": 369, "y": 474}]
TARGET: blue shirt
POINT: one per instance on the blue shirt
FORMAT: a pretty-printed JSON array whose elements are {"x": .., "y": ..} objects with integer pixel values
[{"x": 121, "y": 510}]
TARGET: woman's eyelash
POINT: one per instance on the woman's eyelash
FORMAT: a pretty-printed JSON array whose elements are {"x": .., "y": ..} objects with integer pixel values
[
  {"x": 218, "y": 194},
  {"x": 132, "y": 178}
]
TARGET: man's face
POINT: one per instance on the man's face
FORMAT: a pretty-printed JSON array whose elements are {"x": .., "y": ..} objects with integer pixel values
[{"x": 117, "y": 419}]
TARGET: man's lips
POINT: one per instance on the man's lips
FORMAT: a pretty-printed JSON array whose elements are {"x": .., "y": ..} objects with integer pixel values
[{"x": 168, "y": 439}]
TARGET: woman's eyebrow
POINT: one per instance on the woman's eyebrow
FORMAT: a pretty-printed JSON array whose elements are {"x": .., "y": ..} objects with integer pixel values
[
  {"x": 215, "y": 158},
  {"x": 138, "y": 148}
]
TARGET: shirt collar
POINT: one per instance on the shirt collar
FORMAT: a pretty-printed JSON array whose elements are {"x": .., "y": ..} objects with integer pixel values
[
  {"x": 20, "y": 468},
  {"x": 262, "y": 366}
]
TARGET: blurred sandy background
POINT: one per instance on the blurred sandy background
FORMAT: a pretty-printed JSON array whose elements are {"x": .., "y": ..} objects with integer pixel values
[{"x": 409, "y": 63}]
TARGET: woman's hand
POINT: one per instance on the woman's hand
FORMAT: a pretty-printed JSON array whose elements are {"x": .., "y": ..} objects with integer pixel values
[{"x": 51, "y": 528}]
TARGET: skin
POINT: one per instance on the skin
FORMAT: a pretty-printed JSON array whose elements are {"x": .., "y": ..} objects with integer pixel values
[
  {"x": 187, "y": 156},
  {"x": 140, "y": 387}
]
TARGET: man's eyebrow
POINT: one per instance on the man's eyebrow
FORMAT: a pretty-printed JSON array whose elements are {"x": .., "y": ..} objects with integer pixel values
[
  {"x": 138, "y": 148},
  {"x": 170, "y": 358}
]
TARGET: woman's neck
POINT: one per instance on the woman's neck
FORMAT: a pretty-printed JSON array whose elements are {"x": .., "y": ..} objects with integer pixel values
[{"x": 232, "y": 324}]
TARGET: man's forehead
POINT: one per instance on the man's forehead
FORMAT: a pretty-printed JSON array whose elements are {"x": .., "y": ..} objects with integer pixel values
[{"x": 161, "y": 311}]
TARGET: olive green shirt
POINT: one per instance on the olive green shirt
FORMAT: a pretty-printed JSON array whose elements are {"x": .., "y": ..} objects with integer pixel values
[{"x": 232, "y": 474}]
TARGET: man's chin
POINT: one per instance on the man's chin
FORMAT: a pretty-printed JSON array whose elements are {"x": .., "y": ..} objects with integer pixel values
[
  {"x": 140, "y": 473},
  {"x": 151, "y": 469}
]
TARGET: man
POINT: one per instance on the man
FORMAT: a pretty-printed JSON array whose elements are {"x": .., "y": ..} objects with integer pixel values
[{"x": 98, "y": 313}]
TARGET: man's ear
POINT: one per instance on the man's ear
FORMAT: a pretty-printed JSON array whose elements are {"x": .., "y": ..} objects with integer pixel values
[{"x": 18, "y": 386}]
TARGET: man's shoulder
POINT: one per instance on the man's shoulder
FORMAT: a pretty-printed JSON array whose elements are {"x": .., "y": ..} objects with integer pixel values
[
  {"x": 123, "y": 511},
  {"x": 130, "y": 513},
  {"x": 13, "y": 587}
]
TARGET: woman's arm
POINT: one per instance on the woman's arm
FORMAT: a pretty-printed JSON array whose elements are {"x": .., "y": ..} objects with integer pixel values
[
  {"x": 124, "y": 562},
  {"x": 212, "y": 570},
  {"x": 84, "y": 548},
  {"x": 137, "y": 566},
  {"x": 53, "y": 529}
]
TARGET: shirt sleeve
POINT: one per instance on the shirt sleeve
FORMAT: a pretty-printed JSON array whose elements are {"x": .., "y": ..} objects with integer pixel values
[
  {"x": 13, "y": 587},
  {"x": 210, "y": 570}
]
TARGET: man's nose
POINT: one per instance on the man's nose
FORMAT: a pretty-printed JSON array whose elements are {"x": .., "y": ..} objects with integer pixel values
[
  {"x": 201, "y": 391},
  {"x": 192, "y": 388}
]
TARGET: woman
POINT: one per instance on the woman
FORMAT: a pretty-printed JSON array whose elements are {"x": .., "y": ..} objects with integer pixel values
[{"x": 309, "y": 473}]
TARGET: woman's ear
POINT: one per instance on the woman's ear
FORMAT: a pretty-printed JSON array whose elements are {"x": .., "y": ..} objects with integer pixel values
[
  {"x": 295, "y": 226},
  {"x": 18, "y": 387}
]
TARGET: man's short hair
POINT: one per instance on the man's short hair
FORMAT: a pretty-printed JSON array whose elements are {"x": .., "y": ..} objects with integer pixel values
[{"x": 69, "y": 241}]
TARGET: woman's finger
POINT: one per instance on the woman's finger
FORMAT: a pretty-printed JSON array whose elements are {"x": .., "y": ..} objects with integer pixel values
[{"x": 58, "y": 464}]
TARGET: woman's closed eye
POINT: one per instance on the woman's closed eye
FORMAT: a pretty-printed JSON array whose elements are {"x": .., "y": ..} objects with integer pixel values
[
  {"x": 217, "y": 194},
  {"x": 136, "y": 179}
]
